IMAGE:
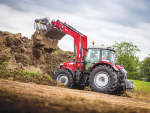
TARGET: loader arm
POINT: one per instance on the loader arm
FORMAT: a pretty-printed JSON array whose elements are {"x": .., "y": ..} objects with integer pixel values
[
  {"x": 80, "y": 40},
  {"x": 56, "y": 30}
]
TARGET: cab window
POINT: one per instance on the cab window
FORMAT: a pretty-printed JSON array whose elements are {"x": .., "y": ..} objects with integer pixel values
[
  {"x": 92, "y": 57},
  {"x": 106, "y": 55}
]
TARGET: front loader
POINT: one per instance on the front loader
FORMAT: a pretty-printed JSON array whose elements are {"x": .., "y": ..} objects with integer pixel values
[
  {"x": 47, "y": 34},
  {"x": 94, "y": 66}
]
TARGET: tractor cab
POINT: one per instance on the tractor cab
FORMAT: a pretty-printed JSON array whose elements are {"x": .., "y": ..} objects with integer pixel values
[{"x": 99, "y": 54}]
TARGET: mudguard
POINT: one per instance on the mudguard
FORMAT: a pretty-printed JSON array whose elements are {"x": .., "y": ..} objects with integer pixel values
[{"x": 72, "y": 72}]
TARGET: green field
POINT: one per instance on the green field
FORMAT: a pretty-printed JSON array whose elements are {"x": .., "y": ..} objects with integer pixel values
[
  {"x": 141, "y": 90},
  {"x": 141, "y": 86}
]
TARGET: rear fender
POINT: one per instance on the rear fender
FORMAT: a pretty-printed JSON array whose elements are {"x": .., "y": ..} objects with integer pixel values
[
  {"x": 71, "y": 70},
  {"x": 108, "y": 64}
]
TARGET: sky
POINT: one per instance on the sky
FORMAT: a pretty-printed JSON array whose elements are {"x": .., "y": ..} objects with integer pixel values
[{"x": 102, "y": 21}]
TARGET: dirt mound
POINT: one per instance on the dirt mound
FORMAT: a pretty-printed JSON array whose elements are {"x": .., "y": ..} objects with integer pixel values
[{"x": 20, "y": 53}]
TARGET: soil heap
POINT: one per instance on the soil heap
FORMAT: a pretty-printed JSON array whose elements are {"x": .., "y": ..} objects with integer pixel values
[{"x": 25, "y": 55}]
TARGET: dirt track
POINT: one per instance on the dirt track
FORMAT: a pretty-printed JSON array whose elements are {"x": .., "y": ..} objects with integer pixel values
[{"x": 35, "y": 97}]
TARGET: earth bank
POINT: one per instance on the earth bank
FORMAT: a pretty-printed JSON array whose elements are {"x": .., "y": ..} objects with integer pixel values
[{"x": 25, "y": 60}]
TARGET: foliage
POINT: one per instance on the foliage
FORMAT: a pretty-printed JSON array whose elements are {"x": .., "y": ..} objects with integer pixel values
[
  {"x": 29, "y": 73},
  {"x": 145, "y": 68},
  {"x": 126, "y": 55}
]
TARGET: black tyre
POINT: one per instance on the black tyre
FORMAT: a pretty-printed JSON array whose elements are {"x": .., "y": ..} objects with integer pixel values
[
  {"x": 119, "y": 91},
  {"x": 103, "y": 79},
  {"x": 63, "y": 76}
]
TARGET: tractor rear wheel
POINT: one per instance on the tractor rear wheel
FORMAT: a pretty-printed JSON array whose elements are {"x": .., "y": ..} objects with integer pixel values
[
  {"x": 103, "y": 79},
  {"x": 64, "y": 77}
]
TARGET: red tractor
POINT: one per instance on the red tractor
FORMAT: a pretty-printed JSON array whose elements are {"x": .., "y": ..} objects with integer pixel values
[{"x": 93, "y": 65}]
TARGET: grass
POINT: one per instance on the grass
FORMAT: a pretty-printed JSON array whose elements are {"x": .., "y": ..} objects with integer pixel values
[
  {"x": 141, "y": 86},
  {"x": 26, "y": 72},
  {"x": 29, "y": 73},
  {"x": 5, "y": 63},
  {"x": 29, "y": 77},
  {"x": 7, "y": 32},
  {"x": 55, "y": 52},
  {"x": 7, "y": 72},
  {"x": 141, "y": 90},
  {"x": 49, "y": 78},
  {"x": 34, "y": 73}
]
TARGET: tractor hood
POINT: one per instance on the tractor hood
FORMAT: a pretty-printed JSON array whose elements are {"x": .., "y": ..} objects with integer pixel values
[{"x": 67, "y": 63}]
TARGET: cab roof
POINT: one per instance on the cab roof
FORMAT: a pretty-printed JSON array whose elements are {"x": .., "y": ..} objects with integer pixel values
[{"x": 102, "y": 47}]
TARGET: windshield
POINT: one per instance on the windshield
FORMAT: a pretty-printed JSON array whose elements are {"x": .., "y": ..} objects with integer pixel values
[{"x": 108, "y": 56}]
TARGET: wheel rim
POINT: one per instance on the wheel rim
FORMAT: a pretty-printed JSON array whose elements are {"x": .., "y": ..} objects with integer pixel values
[
  {"x": 63, "y": 79},
  {"x": 101, "y": 79}
]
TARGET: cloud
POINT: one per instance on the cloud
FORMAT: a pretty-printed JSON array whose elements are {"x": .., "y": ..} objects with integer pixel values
[{"x": 102, "y": 21}]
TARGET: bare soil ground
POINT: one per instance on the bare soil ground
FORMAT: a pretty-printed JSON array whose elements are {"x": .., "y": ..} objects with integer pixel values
[{"x": 20, "y": 97}]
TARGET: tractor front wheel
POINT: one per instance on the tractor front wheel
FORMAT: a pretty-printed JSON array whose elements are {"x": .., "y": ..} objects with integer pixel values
[
  {"x": 103, "y": 79},
  {"x": 63, "y": 76}
]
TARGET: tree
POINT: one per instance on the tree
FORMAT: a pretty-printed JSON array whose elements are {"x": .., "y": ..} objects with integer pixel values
[
  {"x": 126, "y": 55},
  {"x": 145, "y": 68}
]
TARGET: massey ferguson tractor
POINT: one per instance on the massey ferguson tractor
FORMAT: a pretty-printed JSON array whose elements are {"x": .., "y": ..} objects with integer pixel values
[{"x": 93, "y": 66}]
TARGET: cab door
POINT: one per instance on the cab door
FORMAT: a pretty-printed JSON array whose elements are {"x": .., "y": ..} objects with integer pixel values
[{"x": 92, "y": 57}]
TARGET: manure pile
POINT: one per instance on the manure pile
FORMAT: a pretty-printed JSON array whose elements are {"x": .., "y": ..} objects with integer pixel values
[{"x": 20, "y": 56}]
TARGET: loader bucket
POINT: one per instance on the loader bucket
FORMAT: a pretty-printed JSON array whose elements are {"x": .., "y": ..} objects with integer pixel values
[
  {"x": 54, "y": 33},
  {"x": 47, "y": 42},
  {"x": 48, "y": 34}
]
